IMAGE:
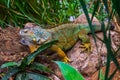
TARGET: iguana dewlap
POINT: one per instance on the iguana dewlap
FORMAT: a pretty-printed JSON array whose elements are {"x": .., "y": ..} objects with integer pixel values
[{"x": 66, "y": 34}]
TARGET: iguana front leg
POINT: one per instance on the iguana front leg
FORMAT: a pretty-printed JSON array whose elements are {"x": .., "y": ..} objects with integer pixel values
[
  {"x": 54, "y": 48},
  {"x": 33, "y": 47},
  {"x": 86, "y": 45},
  {"x": 60, "y": 53}
]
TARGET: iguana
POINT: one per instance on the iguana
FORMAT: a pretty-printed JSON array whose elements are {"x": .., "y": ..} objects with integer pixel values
[{"x": 66, "y": 34}]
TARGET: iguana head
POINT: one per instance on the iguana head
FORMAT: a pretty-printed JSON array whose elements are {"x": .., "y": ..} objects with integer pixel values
[{"x": 35, "y": 35}]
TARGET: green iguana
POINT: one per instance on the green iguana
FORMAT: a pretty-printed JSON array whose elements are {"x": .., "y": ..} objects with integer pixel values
[{"x": 66, "y": 34}]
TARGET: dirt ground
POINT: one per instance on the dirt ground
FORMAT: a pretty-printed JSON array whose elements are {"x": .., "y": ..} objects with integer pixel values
[
  {"x": 12, "y": 50},
  {"x": 10, "y": 47}
]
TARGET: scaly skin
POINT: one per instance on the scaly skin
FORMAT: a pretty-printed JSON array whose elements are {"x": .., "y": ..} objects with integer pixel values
[{"x": 66, "y": 34}]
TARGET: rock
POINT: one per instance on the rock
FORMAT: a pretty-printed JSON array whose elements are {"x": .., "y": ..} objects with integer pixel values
[
  {"x": 112, "y": 69},
  {"x": 10, "y": 47},
  {"x": 83, "y": 62},
  {"x": 82, "y": 19},
  {"x": 116, "y": 38},
  {"x": 30, "y": 25}
]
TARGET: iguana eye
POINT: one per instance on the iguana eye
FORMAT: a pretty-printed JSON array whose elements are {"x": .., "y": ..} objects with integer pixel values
[{"x": 25, "y": 31}]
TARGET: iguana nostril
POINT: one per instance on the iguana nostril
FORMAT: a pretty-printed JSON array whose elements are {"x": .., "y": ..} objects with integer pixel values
[{"x": 34, "y": 39}]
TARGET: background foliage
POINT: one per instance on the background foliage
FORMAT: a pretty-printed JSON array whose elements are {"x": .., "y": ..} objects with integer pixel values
[
  {"x": 41, "y": 12},
  {"x": 50, "y": 12}
]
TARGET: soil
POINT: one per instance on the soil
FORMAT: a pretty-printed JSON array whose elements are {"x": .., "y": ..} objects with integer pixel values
[
  {"x": 10, "y": 47},
  {"x": 12, "y": 50}
]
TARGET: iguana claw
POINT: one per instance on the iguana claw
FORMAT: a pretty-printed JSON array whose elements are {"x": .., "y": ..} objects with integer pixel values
[
  {"x": 86, "y": 47},
  {"x": 66, "y": 59}
]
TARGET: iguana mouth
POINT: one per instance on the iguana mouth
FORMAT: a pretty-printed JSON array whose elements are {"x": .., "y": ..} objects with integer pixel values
[{"x": 42, "y": 41}]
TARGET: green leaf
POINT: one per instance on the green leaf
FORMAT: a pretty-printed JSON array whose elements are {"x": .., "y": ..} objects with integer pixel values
[
  {"x": 110, "y": 55},
  {"x": 40, "y": 67},
  {"x": 89, "y": 21},
  {"x": 10, "y": 73},
  {"x": 116, "y": 6},
  {"x": 96, "y": 7},
  {"x": 102, "y": 77},
  {"x": 107, "y": 43},
  {"x": 8, "y": 3},
  {"x": 30, "y": 58},
  {"x": 68, "y": 72},
  {"x": 9, "y": 64},
  {"x": 31, "y": 76}
]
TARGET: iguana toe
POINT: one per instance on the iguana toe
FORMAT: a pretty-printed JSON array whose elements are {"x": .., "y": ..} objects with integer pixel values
[
  {"x": 86, "y": 47},
  {"x": 66, "y": 59}
]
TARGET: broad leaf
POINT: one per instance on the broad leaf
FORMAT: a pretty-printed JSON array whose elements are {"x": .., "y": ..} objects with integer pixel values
[
  {"x": 68, "y": 72},
  {"x": 9, "y": 64},
  {"x": 10, "y": 73}
]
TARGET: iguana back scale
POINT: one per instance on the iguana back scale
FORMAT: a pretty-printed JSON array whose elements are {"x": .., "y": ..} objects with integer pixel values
[{"x": 66, "y": 34}]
